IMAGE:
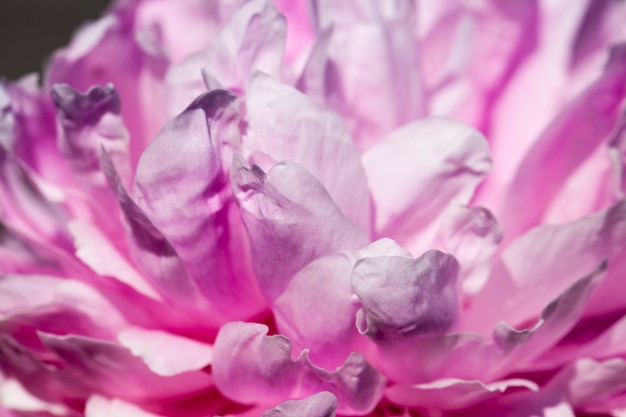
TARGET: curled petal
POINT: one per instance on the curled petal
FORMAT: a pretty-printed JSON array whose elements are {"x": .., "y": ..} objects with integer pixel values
[
  {"x": 182, "y": 187},
  {"x": 436, "y": 162},
  {"x": 251, "y": 367},
  {"x": 291, "y": 220},
  {"x": 284, "y": 124},
  {"x": 405, "y": 298}
]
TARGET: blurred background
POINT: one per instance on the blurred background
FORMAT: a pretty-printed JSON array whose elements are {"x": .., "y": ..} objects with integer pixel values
[{"x": 30, "y": 30}]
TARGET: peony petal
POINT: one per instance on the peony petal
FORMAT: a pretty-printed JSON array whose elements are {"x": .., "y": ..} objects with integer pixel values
[
  {"x": 284, "y": 124},
  {"x": 110, "y": 369},
  {"x": 452, "y": 394},
  {"x": 161, "y": 351},
  {"x": 98, "y": 406},
  {"x": 330, "y": 333},
  {"x": 150, "y": 249},
  {"x": 542, "y": 263},
  {"x": 472, "y": 235},
  {"x": 251, "y": 367},
  {"x": 253, "y": 39},
  {"x": 435, "y": 162},
  {"x": 182, "y": 187},
  {"x": 323, "y": 404},
  {"x": 586, "y": 122},
  {"x": 378, "y": 37},
  {"x": 291, "y": 220},
  {"x": 405, "y": 298},
  {"x": 112, "y": 50}
]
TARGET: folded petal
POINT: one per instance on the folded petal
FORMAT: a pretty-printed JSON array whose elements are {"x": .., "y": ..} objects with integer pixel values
[
  {"x": 182, "y": 186},
  {"x": 291, "y": 220},
  {"x": 405, "y": 298},
  {"x": 417, "y": 172},
  {"x": 98, "y": 406},
  {"x": 284, "y": 124},
  {"x": 251, "y": 367}
]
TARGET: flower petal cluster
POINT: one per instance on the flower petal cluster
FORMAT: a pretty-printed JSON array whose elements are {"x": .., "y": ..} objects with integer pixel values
[{"x": 319, "y": 208}]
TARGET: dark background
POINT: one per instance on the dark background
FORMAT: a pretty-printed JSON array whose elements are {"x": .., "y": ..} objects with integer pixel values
[{"x": 30, "y": 30}]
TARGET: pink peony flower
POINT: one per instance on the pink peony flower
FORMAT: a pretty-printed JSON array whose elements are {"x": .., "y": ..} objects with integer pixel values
[{"x": 290, "y": 208}]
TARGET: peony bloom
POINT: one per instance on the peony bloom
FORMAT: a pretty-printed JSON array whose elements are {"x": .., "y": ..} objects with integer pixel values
[{"x": 291, "y": 208}]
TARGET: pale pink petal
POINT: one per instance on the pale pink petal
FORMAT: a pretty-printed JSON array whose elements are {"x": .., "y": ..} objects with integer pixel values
[
  {"x": 540, "y": 264},
  {"x": 330, "y": 333},
  {"x": 251, "y": 367},
  {"x": 373, "y": 77},
  {"x": 98, "y": 406},
  {"x": 452, "y": 394},
  {"x": 322, "y": 404},
  {"x": 166, "y": 354},
  {"x": 182, "y": 186},
  {"x": 586, "y": 122},
  {"x": 284, "y": 124},
  {"x": 253, "y": 39},
  {"x": 472, "y": 235},
  {"x": 291, "y": 220},
  {"x": 419, "y": 171}
]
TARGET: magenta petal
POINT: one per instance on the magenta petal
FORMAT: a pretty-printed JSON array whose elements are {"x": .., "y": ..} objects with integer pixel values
[
  {"x": 417, "y": 172},
  {"x": 323, "y": 404},
  {"x": 291, "y": 220},
  {"x": 405, "y": 298},
  {"x": 89, "y": 122},
  {"x": 284, "y": 124},
  {"x": 181, "y": 186},
  {"x": 253, "y": 368}
]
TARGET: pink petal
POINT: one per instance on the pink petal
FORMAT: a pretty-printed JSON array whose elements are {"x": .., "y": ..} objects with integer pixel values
[
  {"x": 182, "y": 172},
  {"x": 452, "y": 394},
  {"x": 542, "y": 263},
  {"x": 251, "y": 367},
  {"x": 284, "y": 124},
  {"x": 161, "y": 351},
  {"x": 587, "y": 121},
  {"x": 253, "y": 39},
  {"x": 291, "y": 220},
  {"x": 369, "y": 35},
  {"x": 98, "y": 406},
  {"x": 322, "y": 404},
  {"x": 435, "y": 162},
  {"x": 405, "y": 298}
]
